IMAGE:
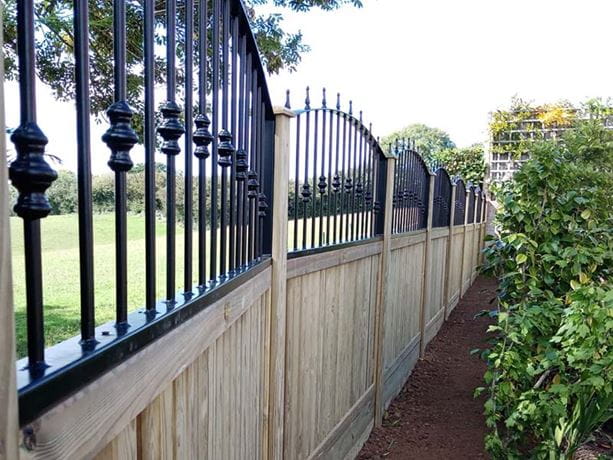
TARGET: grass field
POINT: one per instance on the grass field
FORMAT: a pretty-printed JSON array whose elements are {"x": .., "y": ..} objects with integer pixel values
[{"x": 60, "y": 254}]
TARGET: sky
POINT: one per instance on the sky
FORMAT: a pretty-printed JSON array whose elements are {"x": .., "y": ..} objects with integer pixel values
[{"x": 445, "y": 63}]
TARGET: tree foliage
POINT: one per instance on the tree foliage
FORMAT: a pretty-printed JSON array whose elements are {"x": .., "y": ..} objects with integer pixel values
[
  {"x": 550, "y": 366},
  {"x": 55, "y": 45},
  {"x": 428, "y": 140},
  {"x": 465, "y": 162}
]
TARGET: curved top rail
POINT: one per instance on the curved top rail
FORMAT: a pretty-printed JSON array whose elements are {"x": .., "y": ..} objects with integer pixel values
[
  {"x": 239, "y": 9},
  {"x": 442, "y": 170},
  {"x": 337, "y": 110},
  {"x": 407, "y": 146}
]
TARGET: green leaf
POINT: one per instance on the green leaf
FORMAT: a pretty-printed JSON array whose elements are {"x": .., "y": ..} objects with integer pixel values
[
  {"x": 586, "y": 214},
  {"x": 521, "y": 258}
]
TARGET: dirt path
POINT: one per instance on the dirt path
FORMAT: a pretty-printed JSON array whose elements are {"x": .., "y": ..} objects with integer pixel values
[{"x": 435, "y": 415}]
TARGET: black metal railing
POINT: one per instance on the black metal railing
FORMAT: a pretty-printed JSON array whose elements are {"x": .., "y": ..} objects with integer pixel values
[
  {"x": 460, "y": 202},
  {"x": 472, "y": 195},
  {"x": 441, "y": 205},
  {"x": 231, "y": 140},
  {"x": 411, "y": 189},
  {"x": 337, "y": 178}
]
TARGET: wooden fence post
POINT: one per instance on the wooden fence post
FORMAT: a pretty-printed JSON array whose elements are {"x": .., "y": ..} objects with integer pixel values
[
  {"x": 449, "y": 256},
  {"x": 384, "y": 263},
  {"x": 464, "y": 243},
  {"x": 9, "y": 425},
  {"x": 426, "y": 288},
  {"x": 279, "y": 283}
]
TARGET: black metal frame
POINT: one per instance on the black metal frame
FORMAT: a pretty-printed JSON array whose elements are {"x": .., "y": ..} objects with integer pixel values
[
  {"x": 240, "y": 115},
  {"x": 342, "y": 185},
  {"x": 460, "y": 202},
  {"x": 441, "y": 205}
]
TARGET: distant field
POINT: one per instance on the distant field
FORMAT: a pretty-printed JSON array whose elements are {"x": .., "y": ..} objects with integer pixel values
[{"x": 60, "y": 245}]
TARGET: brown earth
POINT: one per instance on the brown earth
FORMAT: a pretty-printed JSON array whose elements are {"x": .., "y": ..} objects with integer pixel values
[{"x": 435, "y": 415}]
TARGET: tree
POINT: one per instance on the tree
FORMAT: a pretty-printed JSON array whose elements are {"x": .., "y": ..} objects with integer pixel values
[
  {"x": 466, "y": 162},
  {"x": 55, "y": 45},
  {"x": 428, "y": 141}
]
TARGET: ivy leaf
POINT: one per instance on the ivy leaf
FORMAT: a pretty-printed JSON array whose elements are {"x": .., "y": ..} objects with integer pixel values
[
  {"x": 521, "y": 258},
  {"x": 586, "y": 214}
]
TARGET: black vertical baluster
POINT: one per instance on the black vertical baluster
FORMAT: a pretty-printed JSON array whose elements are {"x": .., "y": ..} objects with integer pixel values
[
  {"x": 306, "y": 190},
  {"x": 329, "y": 203},
  {"x": 396, "y": 186},
  {"x": 314, "y": 203},
  {"x": 86, "y": 231},
  {"x": 120, "y": 138},
  {"x": 349, "y": 176},
  {"x": 412, "y": 192},
  {"x": 225, "y": 148},
  {"x": 344, "y": 219},
  {"x": 215, "y": 127},
  {"x": 233, "y": 129},
  {"x": 171, "y": 130},
  {"x": 336, "y": 184},
  {"x": 246, "y": 148},
  {"x": 202, "y": 139},
  {"x": 253, "y": 184},
  {"x": 360, "y": 182},
  {"x": 354, "y": 225},
  {"x": 406, "y": 192},
  {"x": 31, "y": 176},
  {"x": 262, "y": 198},
  {"x": 321, "y": 185},
  {"x": 296, "y": 182},
  {"x": 149, "y": 140},
  {"x": 369, "y": 192},
  {"x": 242, "y": 165},
  {"x": 189, "y": 110}
]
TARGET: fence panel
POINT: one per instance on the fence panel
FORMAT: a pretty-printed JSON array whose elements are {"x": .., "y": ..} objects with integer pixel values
[
  {"x": 337, "y": 178},
  {"x": 441, "y": 212},
  {"x": 460, "y": 202}
]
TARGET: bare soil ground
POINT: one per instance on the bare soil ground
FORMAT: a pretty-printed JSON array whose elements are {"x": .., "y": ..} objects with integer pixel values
[{"x": 435, "y": 415}]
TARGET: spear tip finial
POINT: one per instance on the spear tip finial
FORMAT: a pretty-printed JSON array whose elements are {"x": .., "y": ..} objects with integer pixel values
[
  {"x": 338, "y": 101},
  {"x": 287, "y": 103},
  {"x": 323, "y": 100},
  {"x": 307, "y": 101}
]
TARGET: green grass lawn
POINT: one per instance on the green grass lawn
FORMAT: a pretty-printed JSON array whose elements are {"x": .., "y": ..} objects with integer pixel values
[{"x": 60, "y": 255}]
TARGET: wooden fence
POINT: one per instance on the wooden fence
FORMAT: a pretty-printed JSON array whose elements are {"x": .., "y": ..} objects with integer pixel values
[{"x": 297, "y": 362}]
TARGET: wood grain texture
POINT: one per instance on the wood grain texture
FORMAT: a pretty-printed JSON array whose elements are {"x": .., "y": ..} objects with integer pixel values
[
  {"x": 146, "y": 383},
  {"x": 8, "y": 393},
  {"x": 330, "y": 352}
]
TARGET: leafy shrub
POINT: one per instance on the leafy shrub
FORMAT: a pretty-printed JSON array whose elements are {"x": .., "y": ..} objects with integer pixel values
[
  {"x": 466, "y": 162},
  {"x": 550, "y": 366}
]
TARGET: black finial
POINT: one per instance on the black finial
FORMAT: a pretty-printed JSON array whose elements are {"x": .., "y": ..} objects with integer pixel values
[
  {"x": 336, "y": 183},
  {"x": 120, "y": 137},
  {"x": 225, "y": 148},
  {"x": 262, "y": 205},
  {"x": 306, "y": 192},
  {"x": 370, "y": 128},
  {"x": 350, "y": 107},
  {"x": 361, "y": 117},
  {"x": 30, "y": 174},
  {"x": 323, "y": 101},
  {"x": 252, "y": 184},
  {"x": 241, "y": 165},
  {"x": 171, "y": 128},
  {"x": 202, "y": 136},
  {"x": 307, "y": 101},
  {"x": 287, "y": 104},
  {"x": 322, "y": 185},
  {"x": 338, "y": 101}
]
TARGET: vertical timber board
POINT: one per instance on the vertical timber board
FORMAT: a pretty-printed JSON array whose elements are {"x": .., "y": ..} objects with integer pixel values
[
  {"x": 383, "y": 294},
  {"x": 448, "y": 294},
  {"x": 123, "y": 447},
  {"x": 426, "y": 290},
  {"x": 278, "y": 320},
  {"x": 9, "y": 425}
]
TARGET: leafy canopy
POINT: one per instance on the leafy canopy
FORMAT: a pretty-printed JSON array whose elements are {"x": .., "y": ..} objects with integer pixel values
[
  {"x": 428, "y": 140},
  {"x": 279, "y": 49}
]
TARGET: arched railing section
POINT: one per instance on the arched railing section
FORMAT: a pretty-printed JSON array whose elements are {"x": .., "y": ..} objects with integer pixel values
[
  {"x": 411, "y": 187},
  {"x": 441, "y": 204},
  {"x": 460, "y": 202},
  {"x": 337, "y": 177},
  {"x": 472, "y": 196},
  {"x": 230, "y": 137}
]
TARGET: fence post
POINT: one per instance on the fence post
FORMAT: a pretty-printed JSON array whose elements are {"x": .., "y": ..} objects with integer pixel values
[
  {"x": 279, "y": 282},
  {"x": 9, "y": 425},
  {"x": 449, "y": 255},
  {"x": 476, "y": 236},
  {"x": 464, "y": 243},
  {"x": 382, "y": 297},
  {"x": 425, "y": 290}
]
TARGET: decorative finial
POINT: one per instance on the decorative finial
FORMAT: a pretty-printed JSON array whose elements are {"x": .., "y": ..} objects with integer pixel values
[
  {"x": 323, "y": 101},
  {"x": 350, "y": 107},
  {"x": 30, "y": 173},
  {"x": 120, "y": 137},
  {"x": 307, "y": 101},
  {"x": 202, "y": 136},
  {"x": 338, "y": 101},
  {"x": 361, "y": 118},
  {"x": 287, "y": 104},
  {"x": 225, "y": 148},
  {"x": 171, "y": 128},
  {"x": 241, "y": 165}
]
